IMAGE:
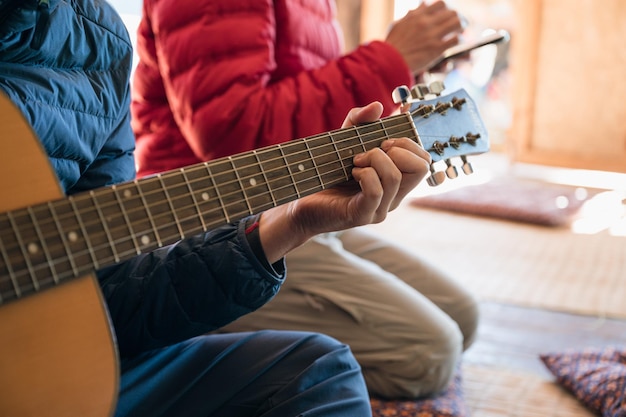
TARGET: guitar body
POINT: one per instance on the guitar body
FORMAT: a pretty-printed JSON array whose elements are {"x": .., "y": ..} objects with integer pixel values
[{"x": 57, "y": 351}]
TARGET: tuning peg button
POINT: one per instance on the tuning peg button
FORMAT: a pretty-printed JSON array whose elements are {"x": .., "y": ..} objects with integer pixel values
[
  {"x": 436, "y": 87},
  {"x": 467, "y": 167},
  {"x": 401, "y": 95},
  {"x": 419, "y": 91},
  {"x": 451, "y": 171},
  {"x": 436, "y": 177}
]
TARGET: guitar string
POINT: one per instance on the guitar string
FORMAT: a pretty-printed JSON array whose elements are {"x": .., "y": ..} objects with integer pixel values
[
  {"x": 307, "y": 152},
  {"x": 52, "y": 263},
  {"x": 239, "y": 181},
  {"x": 201, "y": 190},
  {"x": 239, "y": 214}
]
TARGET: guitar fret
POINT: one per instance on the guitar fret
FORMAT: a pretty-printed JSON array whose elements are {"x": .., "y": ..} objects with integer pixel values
[
  {"x": 32, "y": 230},
  {"x": 339, "y": 158},
  {"x": 56, "y": 262},
  {"x": 86, "y": 238},
  {"x": 396, "y": 127},
  {"x": 95, "y": 227},
  {"x": 363, "y": 128},
  {"x": 300, "y": 165},
  {"x": 149, "y": 213},
  {"x": 229, "y": 190},
  {"x": 115, "y": 225},
  {"x": 13, "y": 285},
  {"x": 293, "y": 180},
  {"x": 348, "y": 144},
  {"x": 217, "y": 192},
  {"x": 141, "y": 227},
  {"x": 308, "y": 148},
  {"x": 103, "y": 221},
  {"x": 243, "y": 188},
  {"x": 280, "y": 181},
  {"x": 265, "y": 179},
  {"x": 323, "y": 153},
  {"x": 169, "y": 202},
  {"x": 20, "y": 242},
  {"x": 204, "y": 193},
  {"x": 68, "y": 251},
  {"x": 182, "y": 203},
  {"x": 253, "y": 180},
  {"x": 384, "y": 129},
  {"x": 369, "y": 135},
  {"x": 193, "y": 198},
  {"x": 44, "y": 246},
  {"x": 127, "y": 221}
]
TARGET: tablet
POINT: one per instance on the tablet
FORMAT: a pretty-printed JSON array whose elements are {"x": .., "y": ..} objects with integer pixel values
[{"x": 463, "y": 48}]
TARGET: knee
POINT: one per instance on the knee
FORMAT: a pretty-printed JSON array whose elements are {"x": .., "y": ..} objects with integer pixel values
[
  {"x": 333, "y": 377},
  {"x": 428, "y": 366},
  {"x": 468, "y": 321},
  {"x": 330, "y": 353},
  {"x": 438, "y": 362}
]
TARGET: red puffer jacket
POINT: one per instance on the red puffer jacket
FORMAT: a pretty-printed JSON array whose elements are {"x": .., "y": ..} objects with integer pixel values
[{"x": 220, "y": 77}]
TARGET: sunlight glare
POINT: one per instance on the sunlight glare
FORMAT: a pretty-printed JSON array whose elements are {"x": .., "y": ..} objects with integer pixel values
[{"x": 604, "y": 211}]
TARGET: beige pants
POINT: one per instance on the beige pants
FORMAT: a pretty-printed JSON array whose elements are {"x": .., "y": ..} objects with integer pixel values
[{"x": 406, "y": 322}]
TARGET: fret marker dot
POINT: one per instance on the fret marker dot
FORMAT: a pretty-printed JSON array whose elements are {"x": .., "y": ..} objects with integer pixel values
[
  {"x": 72, "y": 236},
  {"x": 205, "y": 196},
  {"x": 252, "y": 182},
  {"x": 350, "y": 152},
  {"x": 145, "y": 240},
  {"x": 127, "y": 193},
  {"x": 300, "y": 167},
  {"x": 33, "y": 248}
]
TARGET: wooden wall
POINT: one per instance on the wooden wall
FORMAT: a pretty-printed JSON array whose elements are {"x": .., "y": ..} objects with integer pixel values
[{"x": 569, "y": 83}]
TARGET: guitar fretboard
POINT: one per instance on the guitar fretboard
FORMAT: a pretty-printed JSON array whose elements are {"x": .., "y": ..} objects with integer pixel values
[{"x": 46, "y": 244}]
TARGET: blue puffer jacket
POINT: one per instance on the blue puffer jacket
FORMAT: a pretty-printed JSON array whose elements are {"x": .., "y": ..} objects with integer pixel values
[{"x": 66, "y": 65}]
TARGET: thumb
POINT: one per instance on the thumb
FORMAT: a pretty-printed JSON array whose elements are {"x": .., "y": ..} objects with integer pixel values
[{"x": 358, "y": 115}]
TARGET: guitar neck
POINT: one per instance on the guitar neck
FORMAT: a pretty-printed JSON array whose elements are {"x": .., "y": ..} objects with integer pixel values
[{"x": 46, "y": 244}]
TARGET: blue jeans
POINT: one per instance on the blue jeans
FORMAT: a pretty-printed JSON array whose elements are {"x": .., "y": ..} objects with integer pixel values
[{"x": 265, "y": 373}]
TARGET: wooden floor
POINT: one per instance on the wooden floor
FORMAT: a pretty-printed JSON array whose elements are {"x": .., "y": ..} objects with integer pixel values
[
  {"x": 502, "y": 373},
  {"x": 512, "y": 337},
  {"x": 542, "y": 290}
]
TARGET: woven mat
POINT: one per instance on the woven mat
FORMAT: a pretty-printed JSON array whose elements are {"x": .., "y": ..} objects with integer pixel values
[
  {"x": 518, "y": 263},
  {"x": 493, "y": 392},
  {"x": 514, "y": 199}
]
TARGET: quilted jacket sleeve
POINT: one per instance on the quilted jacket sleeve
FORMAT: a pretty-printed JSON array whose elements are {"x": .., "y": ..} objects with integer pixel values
[
  {"x": 186, "y": 289},
  {"x": 216, "y": 59}
]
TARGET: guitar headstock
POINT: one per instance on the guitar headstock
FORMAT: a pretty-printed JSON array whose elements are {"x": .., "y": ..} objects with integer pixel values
[{"x": 448, "y": 126}]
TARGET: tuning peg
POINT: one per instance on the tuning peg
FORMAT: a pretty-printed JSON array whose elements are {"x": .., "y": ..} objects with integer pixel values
[
  {"x": 467, "y": 167},
  {"x": 436, "y": 177},
  {"x": 471, "y": 138},
  {"x": 436, "y": 87},
  {"x": 458, "y": 103},
  {"x": 451, "y": 171},
  {"x": 419, "y": 91},
  {"x": 401, "y": 95},
  {"x": 442, "y": 108}
]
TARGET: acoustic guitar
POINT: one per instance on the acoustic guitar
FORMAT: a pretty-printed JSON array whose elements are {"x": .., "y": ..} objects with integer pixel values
[{"x": 58, "y": 355}]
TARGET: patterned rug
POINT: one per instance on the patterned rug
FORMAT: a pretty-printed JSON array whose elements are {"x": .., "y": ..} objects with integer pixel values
[
  {"x": 450, "y": 403},
  {"x": 490, "y": 392}
]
